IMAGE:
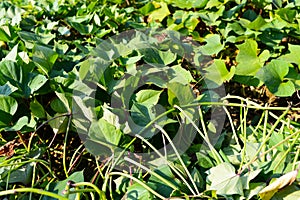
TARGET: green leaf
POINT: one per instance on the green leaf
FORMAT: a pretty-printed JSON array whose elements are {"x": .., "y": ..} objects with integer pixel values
[
  {"x": 105, "y": 133},
  {"x": 147, "y": 97},
  {"x": 146, "y": 9},
  {"x": 165, "y": 172},
  {"x": 213, "y": 45},
  {"x": 4, "y": 36},
  {"x": 224, "y": 180},
  {"x": 154, "y": 56},
  {"x": 44, "y": 57},
  {"x": 24, "y": 56},
  {"x": 180, "y": 75},
  {"x": 203, "y": 160},
  {"x": 292, "y": 56},
  {"x": 59, "y": 187},
  {"x": 83, "y": 29},
  {"x": 58, "y": 106},
  {"x": 167, "y": 56},
  {"x": 64, "y": 30},
  {"x": 58, "y": 123},
  {"x": 122, "y": 183},
  {"x": 12, "y": 54},
  {"x": 137, "y": 191},
  {"x": 36, "y": 82},
  {"x": 248, "y": 61},
  {"x": 10, "y": 71},
  {"x": 276, "y": 165},
  {"x": 188, "y": 4},
  {"x": 179, "y": 94},
  {"x": 217, "y": 73},
  {"x": 248, "y": 80},
  {"x": 61, "y": 48},
  {"x": 257, "y": 24},
  {"x": 277, "y": 138},
  {"x": 273, "y": 76},
  {"x": 142, "y": 114},
  {"x": 197, "y": 178},
  {"x": 211, "y": 17},
  {"x": 89, "y": 66},
  {"x": 192, "y": 22},
  {"x": 37, "y": 109},
  {"x": 29, "y": 38},
  {"x": 254, "y": 189},
  {"x": 7, "y": 89},
  {"x": 8, "y": 104},
  {"x": 287, "y": 14},
  {"x": 66, "y": 99},
  {"x": 23, "y": 121},
  {"x": 22, "y": 174}
]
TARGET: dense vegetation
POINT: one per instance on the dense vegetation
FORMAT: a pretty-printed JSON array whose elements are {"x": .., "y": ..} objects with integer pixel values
[{"x": 142, "y": 99}]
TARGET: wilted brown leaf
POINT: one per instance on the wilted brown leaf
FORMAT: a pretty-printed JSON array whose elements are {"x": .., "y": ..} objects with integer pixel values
[{"x": 285, "y": 180}]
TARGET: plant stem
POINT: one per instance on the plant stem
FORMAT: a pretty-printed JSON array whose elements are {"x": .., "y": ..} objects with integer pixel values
[
  {"x": 168, "y": 183},
  {"x": 264, "y": 141},
  {"x": 216, "y": 155},
  {"x": 180, "y": 159},
  {"x": 296, "y": 158},
  {"x": 232, "y": 127},
  {"x": 171, "y": 165},
  {"x": 33, "y": 190},
  {"x": 65, "y": 148},
  {"x": 40, "y": 126},
  {"x": 286, "y": 152},
  {"x": 278, "y": 144},
  {"x": 22, "y": 140},
  {"x": 100, "y": 193}
]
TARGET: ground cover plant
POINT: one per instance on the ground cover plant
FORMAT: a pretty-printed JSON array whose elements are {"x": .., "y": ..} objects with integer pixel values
[{"x": 149, "y": 99}]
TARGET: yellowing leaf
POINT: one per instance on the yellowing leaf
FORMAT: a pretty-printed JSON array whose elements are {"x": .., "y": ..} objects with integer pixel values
[
  {"x": 285, "y": 180},
  {"x": 160, "y": 13}
]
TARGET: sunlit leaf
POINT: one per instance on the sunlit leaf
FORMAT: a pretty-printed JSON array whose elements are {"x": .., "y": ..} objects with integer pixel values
[
  {"x": 217, "y": 73},
  {"x": 160, "y": 13},
  {"x": 292, "y": 55},
  {"x": 249, "y": 62},
  {"x": 12, "y": 54},
  {"x": 281, "y": 182},
  {"x": 44, "y": 57},
  {"x": 213, "y": 45}
]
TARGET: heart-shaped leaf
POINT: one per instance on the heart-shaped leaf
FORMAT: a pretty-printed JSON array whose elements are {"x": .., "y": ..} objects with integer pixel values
[
  {"x": 249, "y": 62},
  {"x": 273, "y": 76}
]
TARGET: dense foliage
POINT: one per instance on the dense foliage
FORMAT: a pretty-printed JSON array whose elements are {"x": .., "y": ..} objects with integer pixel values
[{"x": 223, "y": 75}]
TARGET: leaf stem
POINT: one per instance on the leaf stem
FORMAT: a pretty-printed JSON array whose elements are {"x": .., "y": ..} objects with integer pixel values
[
  {"x": 179, "y": 158},
  {"x": 165, "y": 181},
  {"x": 33, "y": 190},
  {"x": 65, "y": 148},
  {"x": 100, "y": 193},
  {"x": 264, "y": 141},
  {"x": 216, "y": 155},
  {"x": 40, "y": 126}
]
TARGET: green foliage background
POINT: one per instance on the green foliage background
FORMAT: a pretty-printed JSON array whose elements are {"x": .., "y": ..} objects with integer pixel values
[{"x": 45, "y": 46}]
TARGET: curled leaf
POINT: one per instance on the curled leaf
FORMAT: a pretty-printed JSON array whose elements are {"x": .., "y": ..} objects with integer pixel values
[{"x": 285, "y": 180}]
